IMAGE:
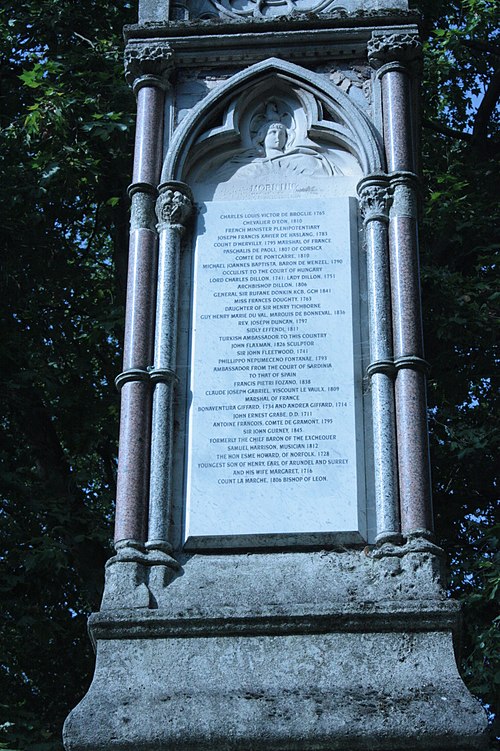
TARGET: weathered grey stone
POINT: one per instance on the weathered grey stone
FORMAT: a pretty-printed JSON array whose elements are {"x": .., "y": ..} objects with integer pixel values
[
  {"x": 301, "y": 651},
  {"x": 336, "y": 690},
  {"x": 212, "y": 584},
  {"x": 161, "y": 11}
]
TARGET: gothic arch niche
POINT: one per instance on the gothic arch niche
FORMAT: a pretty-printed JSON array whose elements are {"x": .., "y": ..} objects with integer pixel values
[
  {"x": 270, "y": 399},
  {"x": 327, "y": 119},
  {"x": 278, "y": 136}
]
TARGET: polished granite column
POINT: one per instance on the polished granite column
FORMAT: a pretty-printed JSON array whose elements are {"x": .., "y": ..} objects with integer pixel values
[
  {"x": 374, "y": 199},
  {"x": 396, "y": 56},
  {"x": 174, "y": 209},
  {"x": 147, "y": 72}
]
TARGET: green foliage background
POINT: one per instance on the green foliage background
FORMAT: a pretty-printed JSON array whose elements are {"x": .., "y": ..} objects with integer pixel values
[{"x": 66, "y": 120}]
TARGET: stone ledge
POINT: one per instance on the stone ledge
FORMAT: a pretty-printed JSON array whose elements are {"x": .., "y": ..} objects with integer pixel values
[
  {"x": 367, "y": 617},
  {"x": 262, "y": 582},
  {"x": 336, "y": 19}
]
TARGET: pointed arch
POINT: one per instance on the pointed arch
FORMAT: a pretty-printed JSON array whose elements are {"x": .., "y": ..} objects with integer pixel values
[{"x": 215, "y": 115}]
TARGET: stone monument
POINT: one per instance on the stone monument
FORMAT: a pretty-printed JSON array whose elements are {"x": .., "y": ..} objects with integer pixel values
[{"x": 276, "y": 584}]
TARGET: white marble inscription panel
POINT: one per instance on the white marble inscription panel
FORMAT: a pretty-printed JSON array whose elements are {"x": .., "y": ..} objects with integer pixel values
[{"x": 274, "y": 433}]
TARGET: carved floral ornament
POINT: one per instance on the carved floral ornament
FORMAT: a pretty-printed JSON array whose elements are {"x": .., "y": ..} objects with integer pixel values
[
  {"x": 174, "y": 206},
  {"x": 157, "y": 61},
  {"x": 386, "y": 48},
  {"x": 242, "y": 9},
  {"x": 374, "y": 201}
]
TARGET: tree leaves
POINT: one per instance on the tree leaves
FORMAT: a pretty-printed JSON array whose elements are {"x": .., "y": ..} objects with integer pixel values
[
  {"x": 61, "y": 315},
  {"x": 460, "y": 286}
]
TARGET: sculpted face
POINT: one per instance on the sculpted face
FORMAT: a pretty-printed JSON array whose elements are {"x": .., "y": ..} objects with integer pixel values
[{"x": 275, "y": 137}]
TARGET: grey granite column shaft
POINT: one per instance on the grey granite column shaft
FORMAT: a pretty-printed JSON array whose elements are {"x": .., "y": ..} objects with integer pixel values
[
  {"x": 374, "y": 201},
  {"x": 397, "y": 53},
  {"x": 135, "y": 415},
  {"x": 174, "y": 207}
]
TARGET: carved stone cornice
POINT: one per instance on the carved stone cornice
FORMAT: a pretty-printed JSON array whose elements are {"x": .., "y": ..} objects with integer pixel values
[
  {"x": 404, "y": 48},
  {"x": 148, "y": 64},
  {"x": 174, "y": 205},
  {"x": 374, "y": 199}
]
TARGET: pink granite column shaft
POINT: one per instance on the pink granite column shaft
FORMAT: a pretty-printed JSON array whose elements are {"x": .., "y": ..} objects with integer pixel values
[
  {"x": 411, "y": 417},
  {"x": 135, "y": 416},
  {"x": 397, "y": 115},
  {"x": 148, "y": 134}
]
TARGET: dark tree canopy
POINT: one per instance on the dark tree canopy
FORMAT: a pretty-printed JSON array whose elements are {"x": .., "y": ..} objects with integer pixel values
[
  {"x": 461, "y": 239},
  {"x": 66, "y": 118}
]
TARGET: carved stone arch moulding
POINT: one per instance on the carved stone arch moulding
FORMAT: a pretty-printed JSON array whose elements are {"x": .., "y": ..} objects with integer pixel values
[
  {"x": 321, "y": 131},
  {"x": 235, "y": 9}
]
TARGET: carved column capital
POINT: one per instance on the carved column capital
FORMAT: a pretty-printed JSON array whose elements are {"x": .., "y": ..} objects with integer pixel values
[
  {"x": 403, "y": 48},
  {"x": 374, "y": 199},
  {"x": 174, "y": 205},
  {"x": 148, "y": 65}
]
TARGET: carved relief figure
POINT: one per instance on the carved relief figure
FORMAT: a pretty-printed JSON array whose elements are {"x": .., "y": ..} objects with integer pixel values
[{"x": 278, "y": 148}]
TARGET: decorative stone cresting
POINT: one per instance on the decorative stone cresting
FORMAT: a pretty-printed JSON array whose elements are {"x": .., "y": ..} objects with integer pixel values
[{"x": 266, "y": 8}]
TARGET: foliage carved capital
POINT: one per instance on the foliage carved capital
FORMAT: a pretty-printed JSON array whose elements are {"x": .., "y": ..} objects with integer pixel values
[
  {"x": 174, "y": 205},
  {"x": 155, "y": 61},
  {"x": 374, "y": 200},
  {"x": 404, "y": 48}
]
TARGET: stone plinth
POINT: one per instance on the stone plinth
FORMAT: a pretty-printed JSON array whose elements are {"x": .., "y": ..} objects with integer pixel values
[{"x": 319, "y": 650}]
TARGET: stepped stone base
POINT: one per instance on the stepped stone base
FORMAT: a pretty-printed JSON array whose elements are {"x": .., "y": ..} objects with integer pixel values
[{"x": 239, "y": 654}]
